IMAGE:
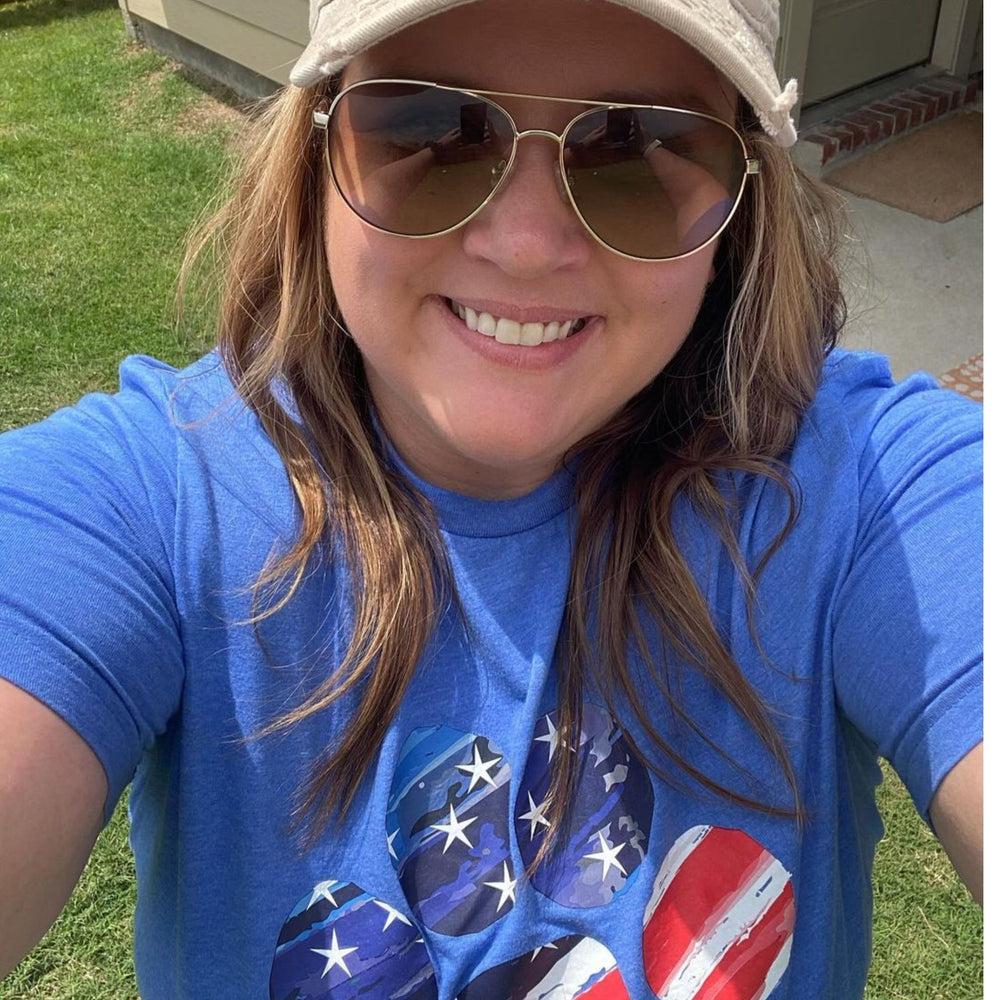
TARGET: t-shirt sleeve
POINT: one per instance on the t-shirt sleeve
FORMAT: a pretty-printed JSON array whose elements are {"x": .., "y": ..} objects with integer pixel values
[
  {"x": 908, "y": 648},
  {"x": 88, "y": 619}
]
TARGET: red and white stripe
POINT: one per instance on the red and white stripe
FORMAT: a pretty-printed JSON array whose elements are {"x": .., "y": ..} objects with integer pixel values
[
  {"x": 719, "y": 923},
  {"x": 588, "y": 971}
]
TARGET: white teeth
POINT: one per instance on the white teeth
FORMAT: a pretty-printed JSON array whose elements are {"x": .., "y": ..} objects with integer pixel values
[
  {"x": 509, "y": 331},
  {"x": 531, "y": 334}
]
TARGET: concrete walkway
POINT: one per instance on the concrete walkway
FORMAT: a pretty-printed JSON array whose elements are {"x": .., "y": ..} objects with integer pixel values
[
  {"x": 918, "y": 298},
  {"x": 915, "y": 287}
]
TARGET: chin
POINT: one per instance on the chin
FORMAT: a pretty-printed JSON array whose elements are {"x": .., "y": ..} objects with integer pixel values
[{"x": 498, "y": 465}]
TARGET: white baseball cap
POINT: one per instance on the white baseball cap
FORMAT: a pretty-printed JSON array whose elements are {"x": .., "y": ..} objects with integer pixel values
[{"x": 737, "y": 36}]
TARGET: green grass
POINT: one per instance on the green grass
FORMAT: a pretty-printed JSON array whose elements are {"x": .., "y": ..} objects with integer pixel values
[
  {"x": 928, "y": 933},
  {"x": 100, "y": 178},
  {"x": 104, "y": 163}
]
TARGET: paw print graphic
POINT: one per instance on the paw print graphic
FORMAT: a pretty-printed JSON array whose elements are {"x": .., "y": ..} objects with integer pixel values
[{"x": 718, "y": 922}]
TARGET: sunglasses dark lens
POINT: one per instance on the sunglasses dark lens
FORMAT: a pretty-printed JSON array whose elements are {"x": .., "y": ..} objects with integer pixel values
[
  {"x": 417, "y": 160},
  {"x": 652, "y": 183}
]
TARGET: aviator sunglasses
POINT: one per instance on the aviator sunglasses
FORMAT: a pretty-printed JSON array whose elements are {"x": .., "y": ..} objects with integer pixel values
[{"x": 420, "y": 159}]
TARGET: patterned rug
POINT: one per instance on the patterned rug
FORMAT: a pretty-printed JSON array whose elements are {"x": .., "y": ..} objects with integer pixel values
[{"x": 967, "y": 378}]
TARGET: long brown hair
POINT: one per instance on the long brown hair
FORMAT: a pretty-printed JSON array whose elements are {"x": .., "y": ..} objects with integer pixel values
[{"x": 730, "y": 401}]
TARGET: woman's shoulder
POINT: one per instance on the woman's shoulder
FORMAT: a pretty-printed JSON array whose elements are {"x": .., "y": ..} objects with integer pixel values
[
  {"x": 179, "y": 397},
  {"x": 881, "y": 469},
  {"x": 153, "y": 399},
  {"x": 165, "y": 430},
  {"x": 861, "y": 383},
  {"x": 872, "y": 450},
  {"x": 859, "y": 405}
]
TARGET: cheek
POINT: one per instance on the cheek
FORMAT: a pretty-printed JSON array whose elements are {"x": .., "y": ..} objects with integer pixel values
[
  {"x": 693, "y": 274},
  {"x": 352, "y": 266},
  {"x": 670, "y": 294},
  {"x": 373, "y": 274}
]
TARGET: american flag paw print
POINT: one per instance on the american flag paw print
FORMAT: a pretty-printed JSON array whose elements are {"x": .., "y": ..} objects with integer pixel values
[
  {"x": 341, "y": 942},
  {"x": 570, "y": 968},
  {"x": 718, "y": 923},
  {"x": 607, "y": 828},
  {"x": 447, "y": 830}
]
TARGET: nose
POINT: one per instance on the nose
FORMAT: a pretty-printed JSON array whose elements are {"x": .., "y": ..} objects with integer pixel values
[{"x": 529, "y": 228}]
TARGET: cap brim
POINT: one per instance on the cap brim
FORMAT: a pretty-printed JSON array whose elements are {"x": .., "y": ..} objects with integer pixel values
[{"x": 341, "y": 33}]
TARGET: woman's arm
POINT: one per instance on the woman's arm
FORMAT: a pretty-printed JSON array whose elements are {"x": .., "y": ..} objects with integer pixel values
[
  {"x": 957, "y": 814},
  {"x": 52, "y": 794}
]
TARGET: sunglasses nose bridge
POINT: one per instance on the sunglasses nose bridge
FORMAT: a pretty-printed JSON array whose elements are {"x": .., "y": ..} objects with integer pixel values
[{"x": 543, "y": 133}]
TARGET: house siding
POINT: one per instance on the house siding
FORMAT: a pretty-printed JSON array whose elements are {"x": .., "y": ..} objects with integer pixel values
[{"x": 262, "y": 35}]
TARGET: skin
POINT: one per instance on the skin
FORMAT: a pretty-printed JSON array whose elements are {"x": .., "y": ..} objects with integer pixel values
[
  {"x": 52, "y": 792},
  {"x": 957, "y": 814},
  {"x": 466, "y": 413}
]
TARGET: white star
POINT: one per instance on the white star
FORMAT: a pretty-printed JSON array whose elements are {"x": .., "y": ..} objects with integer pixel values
[
  {"x": 479, "y": 769},
  {"x": 535, "y": 816},
  {"x": 454, "y": 829},
  {"x": 335, "y": 955},
  {"x": 552, "y": 738},
  {"x": 392, "y": 914},
  {"x": 608, "y": 856},
  {"x": 322, "y": 891},
  {"x": 388, "y": 843},
  {"x": 544, "y": 947},
  {"x": 506, "y": 887}
]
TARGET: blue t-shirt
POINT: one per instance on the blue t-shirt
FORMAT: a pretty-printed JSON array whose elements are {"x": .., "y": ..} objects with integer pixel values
[{"x": 132, "y": 529}]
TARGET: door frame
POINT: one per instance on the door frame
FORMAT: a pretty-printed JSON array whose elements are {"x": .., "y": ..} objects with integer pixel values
[{"x": 954, "y": 38}]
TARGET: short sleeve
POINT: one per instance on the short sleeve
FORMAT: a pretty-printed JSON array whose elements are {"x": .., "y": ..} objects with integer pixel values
[
  {"x": 88, "y": 620},
  {"x": 908, "y": 648}
]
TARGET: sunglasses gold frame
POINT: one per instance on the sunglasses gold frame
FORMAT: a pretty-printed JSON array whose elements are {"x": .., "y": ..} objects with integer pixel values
[{"x": 323, "y": 115}]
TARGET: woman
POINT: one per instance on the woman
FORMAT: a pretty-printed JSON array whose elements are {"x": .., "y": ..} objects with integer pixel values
[{"x": 529, "y": 619}]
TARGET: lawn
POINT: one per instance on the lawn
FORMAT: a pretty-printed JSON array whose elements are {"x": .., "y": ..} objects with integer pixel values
[{"x": 107, "y": 155}]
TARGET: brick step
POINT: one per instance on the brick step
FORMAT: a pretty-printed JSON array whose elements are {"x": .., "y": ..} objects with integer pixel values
[{"x": 828, "y": 143}]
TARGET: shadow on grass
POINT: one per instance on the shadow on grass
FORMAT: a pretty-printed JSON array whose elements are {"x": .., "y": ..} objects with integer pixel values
[
  {"x": 35, "y": 13},
  {"x": 219, "y": 91}
]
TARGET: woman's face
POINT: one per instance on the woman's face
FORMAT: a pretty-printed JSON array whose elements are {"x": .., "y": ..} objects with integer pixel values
[{"x": 466, "y": 412}]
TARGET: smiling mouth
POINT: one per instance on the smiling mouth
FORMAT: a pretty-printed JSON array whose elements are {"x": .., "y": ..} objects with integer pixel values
[{"x": 509, "y": 331}]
